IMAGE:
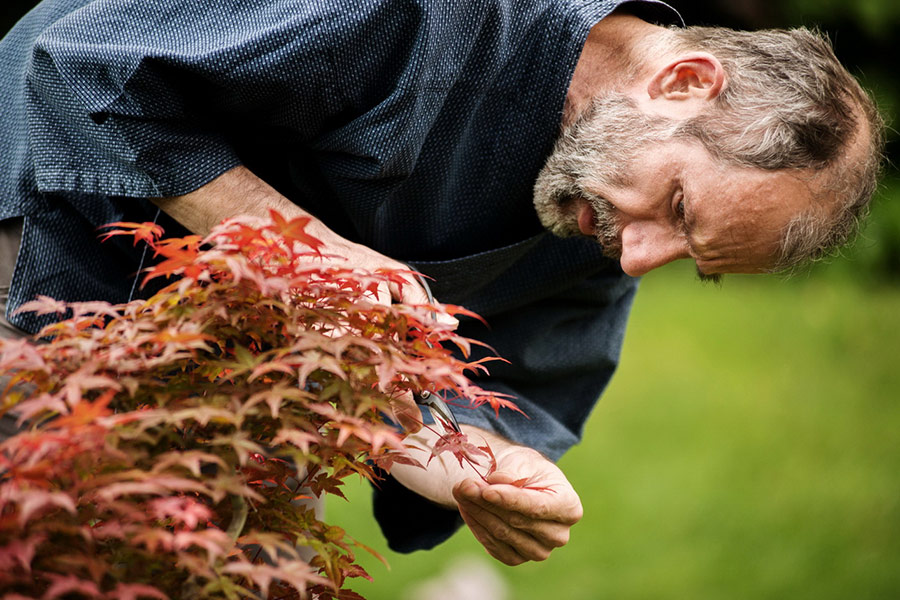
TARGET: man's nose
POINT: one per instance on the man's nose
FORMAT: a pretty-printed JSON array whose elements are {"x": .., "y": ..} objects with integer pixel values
[{"x": 647, "y": 246}]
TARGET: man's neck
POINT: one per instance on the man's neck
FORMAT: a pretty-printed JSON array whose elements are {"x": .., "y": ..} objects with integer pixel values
[{"x": 610, "y": 61}]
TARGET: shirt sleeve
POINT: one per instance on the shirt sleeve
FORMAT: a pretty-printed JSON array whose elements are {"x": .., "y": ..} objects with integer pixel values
[
  {"x": 562, "y": 348},
  {"x": 561, "y": 353},
  {"x": 555, "y": 312},
  {"x": 145, "y": 99}
]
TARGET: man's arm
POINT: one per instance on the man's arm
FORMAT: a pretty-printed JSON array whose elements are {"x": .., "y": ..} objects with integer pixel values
[
  {"x": 514, "y": 524},
  {"x": 558, "y": 315},
  {"x": 240, "y": 192}
]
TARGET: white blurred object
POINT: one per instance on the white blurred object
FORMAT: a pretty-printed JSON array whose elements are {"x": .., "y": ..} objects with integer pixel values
[{"x": 466, "y": 578}]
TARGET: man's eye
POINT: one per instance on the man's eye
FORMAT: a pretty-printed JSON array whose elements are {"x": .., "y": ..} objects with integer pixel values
[{"x": 679, "y": 209}]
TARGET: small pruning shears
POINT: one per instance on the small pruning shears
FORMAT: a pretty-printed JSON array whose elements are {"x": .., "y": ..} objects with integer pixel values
[
  {"x": 435, "y": 404},
  {"x": 438, "y": 409}
]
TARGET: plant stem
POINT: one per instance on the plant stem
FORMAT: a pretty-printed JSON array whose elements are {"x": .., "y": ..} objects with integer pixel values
[{"x": 238, "y": 518}]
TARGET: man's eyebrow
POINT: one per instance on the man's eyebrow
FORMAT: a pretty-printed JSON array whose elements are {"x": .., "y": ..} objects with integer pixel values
[
  {"x": 690, "y": 220},
  {"x": 688, "y": 223},
  {"x": 714, "y": 278}
]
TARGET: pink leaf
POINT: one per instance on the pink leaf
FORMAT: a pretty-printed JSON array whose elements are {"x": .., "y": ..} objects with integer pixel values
[
  {"x": 151, "y": 485},
  {"x": 301, "y": 439},
  {"x": 64, "y": 585},
  {"x": 147, "y": 232},
  {"x": 387, "y": 460},
  {"x": 183, "y": 510},
  {"x": 42, "y": 404},
  {"x": 85, "y": 379},
  {"x": 44, "y": 305},
  {"x": 19, "y": 552},
  {"x": 497, "y": 401},
  {"x": 34, "y": 501},
  {"x": 527, "y": 483},
  {"x": 459, "y": 445},
  {"x": 192, "y": 460},
  {"x": 295, "y": 573},
  {"x": 20, "y": 354},
  {"x": 133, "y": 591},
  {"x": 98, "y": 309},
  {"x": 215, "y": 541}
]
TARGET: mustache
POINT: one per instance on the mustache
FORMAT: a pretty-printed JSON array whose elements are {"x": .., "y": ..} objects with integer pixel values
[{"x": 607, "y": 227}]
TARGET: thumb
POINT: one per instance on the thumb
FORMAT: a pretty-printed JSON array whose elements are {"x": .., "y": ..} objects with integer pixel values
[
  {"x": 410, "y": 292},
  {"x": 445, "y": 319},
  {"x": 406, "y": 413}
]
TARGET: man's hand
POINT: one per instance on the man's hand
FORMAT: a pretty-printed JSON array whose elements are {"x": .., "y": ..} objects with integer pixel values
[
  {"x": 517, "y": 524},
  {"x": 239, "y": 192},
  {"x": 515, "y": 520}
]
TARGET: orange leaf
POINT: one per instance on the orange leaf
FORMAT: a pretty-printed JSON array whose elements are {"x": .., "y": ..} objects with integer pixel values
[{"x": 146, "y": 232}]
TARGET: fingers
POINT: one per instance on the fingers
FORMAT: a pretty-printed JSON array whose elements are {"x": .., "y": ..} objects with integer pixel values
[
  {"x": 514, "y": 535},
  {"x": 407, "y": 290},
  {"x": 547, "y": 533},
  {"x": 411, "y": 292},
  {"x": 554, "y": 504},
  {"x": 406, "y": 412},
  {"x": 504, "y": 542},
  {"x": 496, "y": 548}
]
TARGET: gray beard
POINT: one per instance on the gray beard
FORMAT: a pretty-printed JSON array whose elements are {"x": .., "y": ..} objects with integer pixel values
[{"x": 595, "y": 152}]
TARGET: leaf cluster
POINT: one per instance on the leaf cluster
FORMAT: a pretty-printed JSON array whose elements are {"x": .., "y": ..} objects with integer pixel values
[{"x": 171, "y": 444}]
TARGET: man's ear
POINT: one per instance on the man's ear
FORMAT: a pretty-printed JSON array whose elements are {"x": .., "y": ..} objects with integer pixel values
[{"x": 692, "y": 76}]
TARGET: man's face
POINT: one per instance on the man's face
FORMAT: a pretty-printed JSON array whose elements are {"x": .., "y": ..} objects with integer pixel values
[{"x": 650, "y": 198}]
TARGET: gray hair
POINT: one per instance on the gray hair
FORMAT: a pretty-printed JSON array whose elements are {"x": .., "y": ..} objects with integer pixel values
[{"x": 788, "y": 103}]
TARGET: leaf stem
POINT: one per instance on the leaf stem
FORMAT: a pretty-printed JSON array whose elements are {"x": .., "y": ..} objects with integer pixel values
[{"x": 238, "y": 518}]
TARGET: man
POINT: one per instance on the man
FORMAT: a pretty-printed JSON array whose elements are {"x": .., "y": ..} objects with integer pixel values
[{"x": 423, "y": 133}]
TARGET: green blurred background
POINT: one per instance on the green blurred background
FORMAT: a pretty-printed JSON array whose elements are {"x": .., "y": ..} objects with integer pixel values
[{"x": 749, "y": 446}]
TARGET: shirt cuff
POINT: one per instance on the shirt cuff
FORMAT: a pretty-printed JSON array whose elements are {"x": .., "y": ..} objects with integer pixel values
[{"x": 408, "y": 521}]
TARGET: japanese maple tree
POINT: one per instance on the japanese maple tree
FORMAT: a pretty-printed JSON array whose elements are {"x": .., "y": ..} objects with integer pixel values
[{"x": 168, "y": 443}]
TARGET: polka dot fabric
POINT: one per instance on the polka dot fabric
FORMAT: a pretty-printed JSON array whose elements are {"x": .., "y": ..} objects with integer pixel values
[{"x": 416, "y": 127}]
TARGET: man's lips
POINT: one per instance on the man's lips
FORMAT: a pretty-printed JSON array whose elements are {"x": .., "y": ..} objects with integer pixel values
[{"x": 587, "y": 220}]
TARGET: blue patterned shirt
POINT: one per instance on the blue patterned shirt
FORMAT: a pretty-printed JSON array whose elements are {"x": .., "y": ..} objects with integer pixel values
[{"x": 415, "y": 127}]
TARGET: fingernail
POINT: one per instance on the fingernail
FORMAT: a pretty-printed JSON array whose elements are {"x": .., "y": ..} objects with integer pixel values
[
  {"x": 470, "y": 488},
  {"x": 444, "y": 319},
  {"x": 492, "y": 496}
]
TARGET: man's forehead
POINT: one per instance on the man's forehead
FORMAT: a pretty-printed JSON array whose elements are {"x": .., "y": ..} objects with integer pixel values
[{"x": 738, "y": 221}]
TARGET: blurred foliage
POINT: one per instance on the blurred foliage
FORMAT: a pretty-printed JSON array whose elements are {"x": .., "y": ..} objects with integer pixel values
[
  {"x": 875, "y": 257},
  {"x": 878, "y": 18}
]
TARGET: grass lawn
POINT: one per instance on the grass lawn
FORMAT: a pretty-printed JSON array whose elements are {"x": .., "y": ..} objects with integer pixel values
[{"x": 749, "y": 447}]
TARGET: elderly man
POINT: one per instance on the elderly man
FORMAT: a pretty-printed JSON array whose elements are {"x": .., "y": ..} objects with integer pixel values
[{"x": 448, "y": 136}]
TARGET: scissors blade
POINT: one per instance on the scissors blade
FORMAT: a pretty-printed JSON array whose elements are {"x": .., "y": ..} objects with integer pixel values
[{"x": 439, "y": 410}]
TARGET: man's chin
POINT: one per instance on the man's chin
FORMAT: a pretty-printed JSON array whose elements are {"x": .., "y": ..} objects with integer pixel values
[
  {"x": 555, "y": 219},
  {"x": 560, "y": 225}
]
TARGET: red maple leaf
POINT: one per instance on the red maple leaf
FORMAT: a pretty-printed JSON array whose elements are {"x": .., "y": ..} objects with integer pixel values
[
  {"x": 146, "y": 232},
  {"x": 294, "y": 230},
  {"x": 497, "y": 401},
  {"x": 458, "y": 445},
  {"x": 526, "y": 483}
]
